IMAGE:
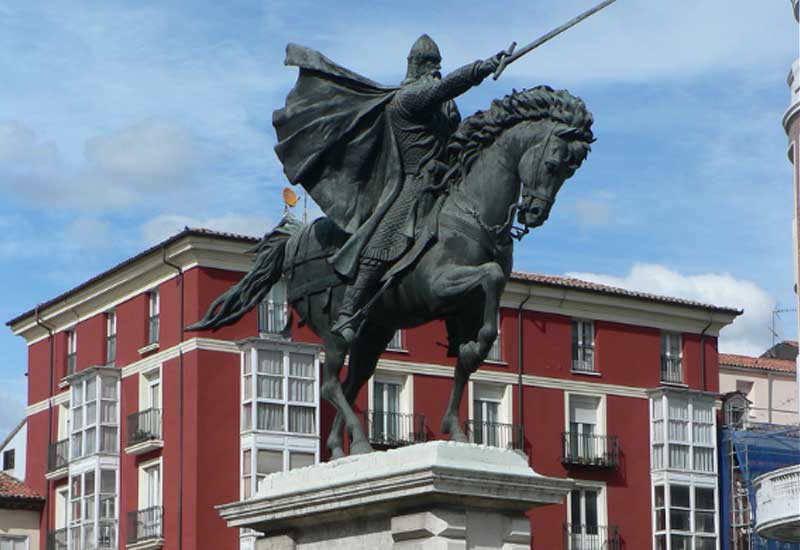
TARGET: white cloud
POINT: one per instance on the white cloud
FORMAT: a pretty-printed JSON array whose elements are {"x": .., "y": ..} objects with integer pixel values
[
  {"x": 748, "y": 334},
  {"x": 119, "y": 169},
  {"x": 146, "y": 155},
  {"x": 167, "y": 225}
]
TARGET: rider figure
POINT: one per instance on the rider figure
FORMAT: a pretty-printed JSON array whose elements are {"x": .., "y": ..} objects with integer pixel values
[{"x": 422, "y": 116}]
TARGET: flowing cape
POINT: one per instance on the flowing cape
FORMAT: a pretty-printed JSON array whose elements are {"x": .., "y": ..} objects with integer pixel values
[{"x": 334, "y": 139}]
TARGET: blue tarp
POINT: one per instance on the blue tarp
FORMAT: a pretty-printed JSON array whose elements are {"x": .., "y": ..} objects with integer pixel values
[{"x": 757, "y": 451}]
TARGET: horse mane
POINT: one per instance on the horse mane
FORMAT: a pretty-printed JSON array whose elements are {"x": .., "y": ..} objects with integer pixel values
[{"x": 480, "y": 130}]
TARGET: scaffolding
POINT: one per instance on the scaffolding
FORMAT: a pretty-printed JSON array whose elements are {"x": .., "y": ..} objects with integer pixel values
[{"x": 747, "y": 450}]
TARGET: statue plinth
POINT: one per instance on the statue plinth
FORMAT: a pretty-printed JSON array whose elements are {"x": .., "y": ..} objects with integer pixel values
[{"x": 436, "y": 495}]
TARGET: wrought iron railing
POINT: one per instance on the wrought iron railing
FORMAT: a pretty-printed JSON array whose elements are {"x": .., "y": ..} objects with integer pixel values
[
  {"x": 495, "y": 434},
  {"x": 57, "y": 455},
  {"x": 57, "y": 540},
  {"x": 589, "y": 449},
  {"x": 144, "y": 426},
  {"x": 152, "y": 329},
  {"x": 671, "y": 370},
  {"x": 145, "y": 524},
  {"x": 590, "y": 537},
  {"x": 583, "y": 365},
  {"x": 393, "y": 429}
]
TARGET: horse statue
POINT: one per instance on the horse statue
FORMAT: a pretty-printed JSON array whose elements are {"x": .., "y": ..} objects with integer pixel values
[{"x": 509, "y": 160}]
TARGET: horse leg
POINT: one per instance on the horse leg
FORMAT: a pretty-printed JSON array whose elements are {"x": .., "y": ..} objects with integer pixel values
[
  {"x": 364, "y": 354},
  {"x": 331, "y": 390},
  {"x": 474, "y": 344}
]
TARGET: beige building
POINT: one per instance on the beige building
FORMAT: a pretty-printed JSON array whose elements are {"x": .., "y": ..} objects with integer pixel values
[
  {"x": 20, "y": 511},
  {"x": 770, "y": 384}
]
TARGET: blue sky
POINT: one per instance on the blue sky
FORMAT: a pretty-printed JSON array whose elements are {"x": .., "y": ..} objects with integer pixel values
[{"x": 121, "y": 122}]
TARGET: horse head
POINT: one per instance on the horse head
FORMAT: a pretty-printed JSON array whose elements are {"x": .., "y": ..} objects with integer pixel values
[{"x": 560, "y": 138}]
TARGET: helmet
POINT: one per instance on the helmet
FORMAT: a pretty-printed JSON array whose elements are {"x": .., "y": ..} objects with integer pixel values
[{"x": 423, "y": 51}]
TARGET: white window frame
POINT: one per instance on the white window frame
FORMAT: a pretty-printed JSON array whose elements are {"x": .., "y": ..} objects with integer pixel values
[
  {"x": 495, "y": 354},
  {"x": 153, "y": 316},
  {"x": 600, "y": 415},
  {"x": 111, "y": 337},
  {"x": 72, "y": 349},
  {"x": 502, "y": 394},
  {"x": 579, "y": 347},
  {"x": 144, "y": 488},
  {"x": 274, "y": 310},
  {"x": 61, "y": 519},
  {"x": 96, "y": 519},
  {"x": 693, "y": 483},
  {"x": 16, "y": 539},
  {"x": 287, "y": 405},
  {"x": 666, "y": 354},
  {"x": 254, "y": 477},
  {"x": 146, "y": 381},
  {"x": 661, "y": 438},
  {"x": 602, "y": 504},
  {"x": 398, "y": 341}
]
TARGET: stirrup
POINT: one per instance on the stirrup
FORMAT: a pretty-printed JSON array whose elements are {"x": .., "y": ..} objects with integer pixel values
[{"x": 343, "y": 327}]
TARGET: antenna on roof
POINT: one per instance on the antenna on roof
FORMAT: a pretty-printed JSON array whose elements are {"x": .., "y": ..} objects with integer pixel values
[{"x": 776, "y": 313}]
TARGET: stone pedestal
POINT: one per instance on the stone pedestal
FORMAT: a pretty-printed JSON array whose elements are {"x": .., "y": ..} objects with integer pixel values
[{"x": 431, "y": 496}]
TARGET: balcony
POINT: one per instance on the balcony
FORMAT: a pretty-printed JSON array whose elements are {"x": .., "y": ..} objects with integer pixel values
[
  {"x": 57, "y": 540},
  {"x": 590, "y": 537},
  {"x": 57, "y": 459},
  {"x": 392, "y": 429},
  {"x": 671, "y": 370},
  {"x": 494, "y": 434},
  {"x": 777, "y": 511},
  {"x": 145, "y": 529},
  {"x": 583, "y": 365},
  {"x": 600, "y": 451},
  {"x": 144, "y": 432}
]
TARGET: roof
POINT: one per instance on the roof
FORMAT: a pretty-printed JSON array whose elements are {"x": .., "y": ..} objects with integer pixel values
[
  {"x": 11, "y": 435},
  {"x": 756, "y": 363},
  {"x": 15, "y": 494},
  {"x": 550, "y": 280},
  {"x": 578, "y": 284}
]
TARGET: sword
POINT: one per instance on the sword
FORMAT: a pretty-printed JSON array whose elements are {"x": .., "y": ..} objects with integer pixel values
[{"x": 513, "y": 56}]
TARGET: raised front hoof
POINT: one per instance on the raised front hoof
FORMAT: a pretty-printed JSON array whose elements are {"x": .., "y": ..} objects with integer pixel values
[{"x": 361, "y": 448}]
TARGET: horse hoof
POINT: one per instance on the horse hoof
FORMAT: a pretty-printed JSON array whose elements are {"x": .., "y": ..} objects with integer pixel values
[
  {"x": 361, "y": 448},
  {"x": 336, "y": 453}
]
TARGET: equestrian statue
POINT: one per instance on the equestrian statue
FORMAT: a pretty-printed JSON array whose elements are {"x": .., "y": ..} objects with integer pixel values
[{"x": 420, "y": 209}]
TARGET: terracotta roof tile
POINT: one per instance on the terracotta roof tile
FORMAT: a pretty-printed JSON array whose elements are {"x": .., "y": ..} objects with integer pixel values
[
  {"x": 758, "y": 363},
  {"x": 569, "y": 282},
  {"x": 12, "y": 488}
]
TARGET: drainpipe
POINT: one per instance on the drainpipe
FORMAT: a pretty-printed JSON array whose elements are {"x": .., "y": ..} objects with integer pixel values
[
  {"x": 180, "y": 397},
  {"x": 703, "y": 352},
  {"x": 520, "y": 408},
  {"x": 48, "y": 482}
]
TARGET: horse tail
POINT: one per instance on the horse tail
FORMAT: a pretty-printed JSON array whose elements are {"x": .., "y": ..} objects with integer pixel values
[{"x": 230, "y": 306}]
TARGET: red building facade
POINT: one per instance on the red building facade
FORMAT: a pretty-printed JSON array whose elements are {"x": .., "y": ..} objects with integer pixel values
[{"x": 137, "y": 428}]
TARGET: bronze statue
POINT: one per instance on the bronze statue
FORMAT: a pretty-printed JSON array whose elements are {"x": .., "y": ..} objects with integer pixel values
[{"x": 420, "y": 212}]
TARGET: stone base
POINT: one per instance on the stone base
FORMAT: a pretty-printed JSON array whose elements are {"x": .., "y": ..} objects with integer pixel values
[{"x": 431, "y": 496}]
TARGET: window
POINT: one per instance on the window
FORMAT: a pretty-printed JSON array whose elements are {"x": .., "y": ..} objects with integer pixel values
[
  {"x": 671, "y": 368},
  {"x": 94, "y": 430},
  {"x": 272, "y": 311},
  {"x": 584, "y": 528},
  {"x": 93, "y": 509},
  {"x": 686, "y": 433},
  {"x": 153, "y": 326},
  {"x": 386, "y": 411},
  {"x": 258, "y": 463},
  {"x": 396, "y": 343},
  {"x": 13, "y": 542},
  {"x": 152, "y": 486},
  {"x": 496, "y": 351},
  {"x": 72, "y": 346},
  {"x": 148, "y": 516},
  {"x": 8, "y": 459},
  {"x": 111, "y": 337},
  {"x": 684, "y": 515},
  {"x": 582, "y": 438},
  {"x": 277, "y": 398},
  {"x": 582, "y": 346}
]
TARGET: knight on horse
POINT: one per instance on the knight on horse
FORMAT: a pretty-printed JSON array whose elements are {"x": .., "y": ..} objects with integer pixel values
[{"x": 377, "y": 154}]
